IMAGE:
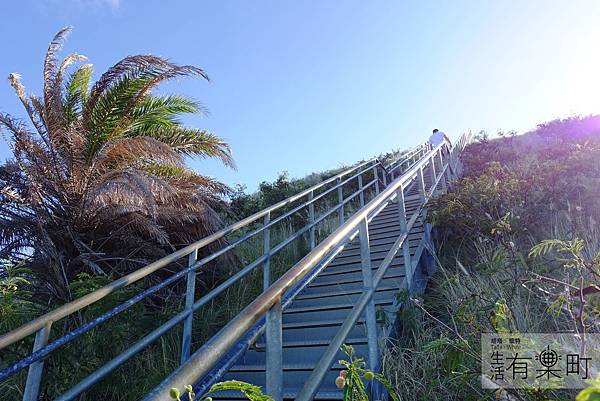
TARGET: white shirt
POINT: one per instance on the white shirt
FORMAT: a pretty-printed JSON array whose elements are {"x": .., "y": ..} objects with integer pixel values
[{"x": 436, "y": 138}]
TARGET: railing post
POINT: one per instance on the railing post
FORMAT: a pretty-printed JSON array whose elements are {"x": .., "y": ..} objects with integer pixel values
[
  {"x": 421, "y": 184},
  {"x": 267, "y": 251},
  {"x": 340, "y": 200},
  {"x": 451, "y": 167},
  {"x": 274, "y": 348},
  {"x": 371, "y": 322},
  {"x": 186, "y": 336},
  {"x": 311, "y": 219},
  {"x": 376, "y": 177},
  {"x": 444, "y": 173},
  {"x": 34, "y": 375},
  {"x": 408, "y": 267},
  {"x": 361, "y": 195},
  {"x": 433, "y": 171},
  {"x": 384, "y": 177}
]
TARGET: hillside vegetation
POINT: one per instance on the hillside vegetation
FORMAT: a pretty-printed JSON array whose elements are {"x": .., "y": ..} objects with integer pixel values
[{"x": 514, "y": 233}]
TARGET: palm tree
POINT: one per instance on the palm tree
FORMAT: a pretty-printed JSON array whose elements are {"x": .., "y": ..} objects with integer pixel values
[{"x": 99, "y": 182}]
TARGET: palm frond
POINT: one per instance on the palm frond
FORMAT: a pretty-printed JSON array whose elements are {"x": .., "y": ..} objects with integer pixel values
[
  {"x": 76, "y": 92},
  {"x": 114, "y": 97},
  {"x": 134, "y": 152},
  {"x": 161, "y": 111},
  {"x": 52, "y": 107},
  {"x": 131, "y": 187},
  {"x": 187, "y": 180},
  {"x": 173, "y": 71},
  {"x": 194, "y": 142},
  {"x": 72, "y": 87},
  {"x": 36, "y": 118},
  {"x": 128, "y": 66},
  {"x": 148, "y": 227}
]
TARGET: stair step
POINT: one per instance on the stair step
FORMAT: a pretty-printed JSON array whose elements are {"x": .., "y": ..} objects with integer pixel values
[
  {"x": 395, "y": 281},
  {"x": 316, "y": 343},
  {"x": 384, "y": 241},
  {"x": 342, "y": 297},
  {"x": 335, "y": 293},
  {"x": 317, "y": 330},
  {"x": 393, "y": 212},
  {"x": 294, "y": 375},
  {"x": 355, "y": 251},
  {"x": 375, "y": 256},
  {"x": 287, "y": 367},
  {"x": 337, "y": 306},
  {"x": 340, "y": 312},
  {"x": 301, "y": 351},
  {"x": 317, "y": 323},
  {"x": 354, "y": 263},
  {"x": 396, "y": 269}
]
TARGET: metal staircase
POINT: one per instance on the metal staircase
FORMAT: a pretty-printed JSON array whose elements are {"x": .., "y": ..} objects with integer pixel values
[
  {"x": 316, "y": 314},
  {"x": 288, "y": 338}
]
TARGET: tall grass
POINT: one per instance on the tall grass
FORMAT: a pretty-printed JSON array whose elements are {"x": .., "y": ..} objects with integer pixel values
[
  {"x": 148, "y": 368},
  {"x": 516, "y": 193},
  {"x": 437, "y": 356}
]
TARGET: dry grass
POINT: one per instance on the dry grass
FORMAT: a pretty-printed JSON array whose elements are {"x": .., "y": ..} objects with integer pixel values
[{"x": 437, "y": 356}]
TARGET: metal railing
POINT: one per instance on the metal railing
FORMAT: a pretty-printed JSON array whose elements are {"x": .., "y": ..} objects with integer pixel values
[
  {"x": 207, "y": 364},
  {"x": 41, "y": 327}
]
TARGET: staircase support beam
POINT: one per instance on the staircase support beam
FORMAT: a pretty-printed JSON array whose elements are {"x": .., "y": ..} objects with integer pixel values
[
  {"x": 367, "y": 272},
  {"x": 274, "y": 358},
  {"x": 186, "y": 335},
  {"x": 408, "y": 267},
  {"x": 340, "y": 192},
  {"x": 311, "y": 219},
  {"x": 421, "y": 184},
  {"x": 361, "y": 196},
  {"x": 266, "y": 252},
  {"x": 34, "y": 375}
]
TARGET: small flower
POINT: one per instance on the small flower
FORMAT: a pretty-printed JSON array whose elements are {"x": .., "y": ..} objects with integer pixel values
[
  {"x": 369, "y": 375},
  {"x": 340, "y": 382},
  {"x": 174, "y": 393},
  {"x": 188, "y": 388},
  {"x": 343, "y": 373}
]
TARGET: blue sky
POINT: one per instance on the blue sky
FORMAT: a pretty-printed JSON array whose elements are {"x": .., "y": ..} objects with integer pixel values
[{"x": 304, "y": 86}]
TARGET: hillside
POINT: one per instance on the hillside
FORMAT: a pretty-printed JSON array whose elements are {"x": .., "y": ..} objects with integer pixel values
[{"x": 494, "y": 276}]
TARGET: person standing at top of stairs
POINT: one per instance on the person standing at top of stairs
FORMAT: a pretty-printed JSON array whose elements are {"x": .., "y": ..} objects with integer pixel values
[{"x": 437, "y": 137}]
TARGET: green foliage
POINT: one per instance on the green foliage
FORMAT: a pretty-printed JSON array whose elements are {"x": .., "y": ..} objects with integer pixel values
[
  {"x": 591, "y": 393},
  {"x": 486, "y": 206},
  {"x": 15, "y": 298},
  {"x": 352, "y": 379},
  {"x": 98, "y": 181},
  {"x": 515, "y": 186},
  {"x": 501, "y": 317},
  {"x": 498, "y": 273},
  {"x": 546, "y": 246},
  {"x": 250, "y": 391},
  {"x": 580, "y": 284}
]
